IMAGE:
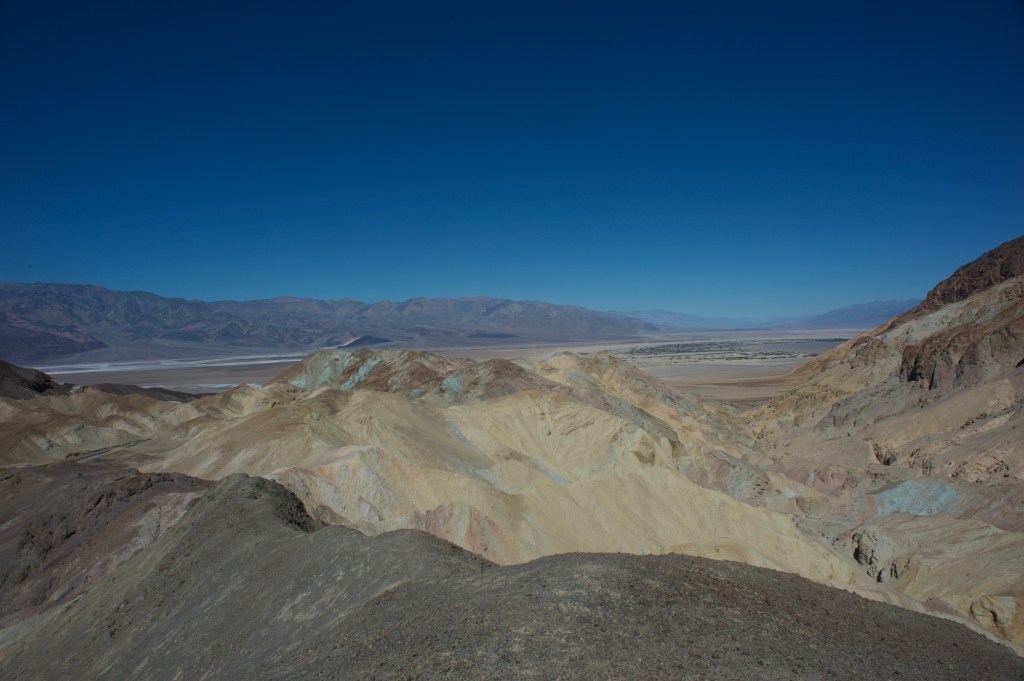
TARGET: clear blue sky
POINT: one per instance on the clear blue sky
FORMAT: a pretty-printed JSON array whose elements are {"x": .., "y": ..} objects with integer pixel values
[{"x": 720, "y": 157}]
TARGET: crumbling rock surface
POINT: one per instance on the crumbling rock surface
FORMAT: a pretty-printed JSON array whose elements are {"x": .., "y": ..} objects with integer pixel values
[{"x": 973, "y": 351}]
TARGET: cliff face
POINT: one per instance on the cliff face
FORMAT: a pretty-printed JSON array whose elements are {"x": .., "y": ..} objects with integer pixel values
[
  {"x": 968, "y": 331},
  {"x": 983, "y": 334},
  {"x": 988, "y": 341}
]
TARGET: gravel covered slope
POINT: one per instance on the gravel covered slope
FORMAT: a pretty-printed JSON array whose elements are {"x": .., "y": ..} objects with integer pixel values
[
  {"x": 247, "y": 586},
  {"x": 63, "y": 527}
]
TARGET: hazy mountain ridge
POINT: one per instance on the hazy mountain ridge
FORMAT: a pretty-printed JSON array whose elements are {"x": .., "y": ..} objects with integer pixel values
[
  {"x": 861, "y": 316},
  {"x": 41, "y": 322},
  {"x": 45, "y": 321}
]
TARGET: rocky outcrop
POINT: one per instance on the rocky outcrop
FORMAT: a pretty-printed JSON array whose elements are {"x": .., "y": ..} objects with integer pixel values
[
  {"x": 952, "y": 564},
  {"x": 988, "y": 344},
  {"x": 913, "y": 432},
  {"x": 996, "y": 266}
]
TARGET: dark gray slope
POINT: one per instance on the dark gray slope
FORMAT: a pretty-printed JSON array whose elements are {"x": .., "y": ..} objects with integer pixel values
[
  {"x": 165, "y": 394},
  {"x": 246, "y": 587},
  {"x": 63, "y": 527},
  {"x": 19, "y": 383},
  {"x": 617, "y": 616},
  {"x": 238, "y": 582}
]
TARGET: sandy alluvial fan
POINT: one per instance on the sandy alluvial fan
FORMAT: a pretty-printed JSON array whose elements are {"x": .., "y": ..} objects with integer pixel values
[{"x": 895, "y": 471}]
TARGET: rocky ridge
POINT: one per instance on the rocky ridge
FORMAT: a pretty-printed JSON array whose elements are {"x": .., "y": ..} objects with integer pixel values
[{"x": 247, "y": 586}]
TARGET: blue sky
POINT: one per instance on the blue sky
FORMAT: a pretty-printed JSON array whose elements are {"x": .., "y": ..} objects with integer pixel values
[{"x": 718, "y": 158}]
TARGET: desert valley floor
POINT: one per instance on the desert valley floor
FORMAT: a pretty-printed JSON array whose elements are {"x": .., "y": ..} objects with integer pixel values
[{"x": 739, "y": 367}]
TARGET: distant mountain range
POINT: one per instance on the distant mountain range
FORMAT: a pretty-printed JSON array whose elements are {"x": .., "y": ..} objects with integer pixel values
[
  {"x": 41, "y": 322},
  {"x": 863, "y": 316},
  {"x": 47, "y": 321}
]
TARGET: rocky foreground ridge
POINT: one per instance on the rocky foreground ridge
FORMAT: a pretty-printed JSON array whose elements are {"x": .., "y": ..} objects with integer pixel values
[
  {"x": 236, "y": 581},
  {"x": 893, "y": 471}
]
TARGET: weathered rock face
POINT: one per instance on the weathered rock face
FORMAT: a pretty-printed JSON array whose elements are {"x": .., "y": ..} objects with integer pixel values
[
  {"x": 973, "y": 350},
  {"x": 45, "y": 421},
  {"x": 82, "y": 423},
  {"x": 922, "y": 416},
  {"x": 962, "y": 564},
  {"x": 245, "y": 585},
  {"x": 996, "y": 266}
]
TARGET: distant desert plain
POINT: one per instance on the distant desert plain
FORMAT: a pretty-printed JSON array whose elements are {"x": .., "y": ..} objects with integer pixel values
[{"x": 743, "y": 368}]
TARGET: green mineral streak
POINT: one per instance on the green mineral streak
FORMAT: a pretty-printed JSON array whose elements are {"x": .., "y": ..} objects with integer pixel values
[
  {"x": 919, "y": 497},
  {"x": 360, "y": 373},
  {"x": 452, "y": 384},
  {"x": 331, "y": 366}
]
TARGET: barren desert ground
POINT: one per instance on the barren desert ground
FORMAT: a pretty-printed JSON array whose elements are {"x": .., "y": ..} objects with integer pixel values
[{"x": 740, "y": 367}]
